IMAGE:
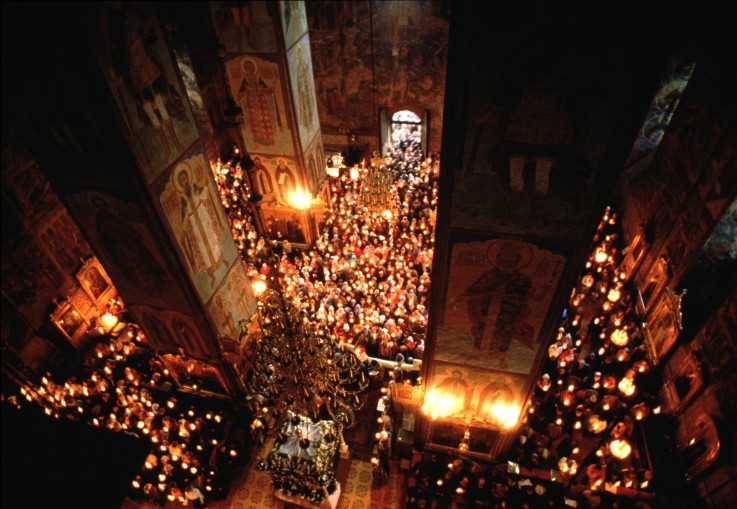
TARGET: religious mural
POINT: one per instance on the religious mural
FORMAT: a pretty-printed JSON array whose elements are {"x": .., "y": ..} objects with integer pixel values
[
  {"x": 661, "y": 111},
  {"x": 23, "y": 182},
  {"x": 131, "y": 50},
  {"x": 232, "y": 304},
  {"x": 276, "y": 178},
  {"x": 196, "y": 219},
  {"x": 407, "y": 52},
  {"x": 243, "y": 27},
  {"x": 720, "y": 249},
  {"x": 31, "y": 279},
  {"x": 294, "y": 20},
  {"x": 255, "y": 84},
  {"x": 173, "y": 332},
  {"x": 40, "y": 266},
  {"x": 497, "y": 298},
  {"x": 126, "y": 247},
  {"x": 483, "y": 397},
  {"x": 530, "y": 150},
  {"x": 303, "y": 89},
  {"x": 315, "y": 165},
  {"x": 697, "y": 147}
]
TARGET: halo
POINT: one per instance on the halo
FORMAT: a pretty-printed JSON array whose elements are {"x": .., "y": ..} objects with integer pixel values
[
  {"x": 526, "y": 254},
  {"x": 175, "y": 176}
]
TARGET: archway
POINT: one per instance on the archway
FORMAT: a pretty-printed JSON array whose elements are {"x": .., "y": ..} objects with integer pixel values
[{"x": 402, "y": 128}]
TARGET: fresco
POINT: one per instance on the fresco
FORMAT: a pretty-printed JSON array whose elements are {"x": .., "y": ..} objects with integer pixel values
[
  {"x": 243, "y": 27},
  {"x": 661, "y": 111},
  {"x": 171, "y": 331},
  {"x": 303, "y": 89},
  {"x": 488, "y": 397},
  {"x": 408, "y": 55},
  {"x": 720, "y": 249},
  {"x": 276, "y": 178},
  {"x": 196, "y": 219},
  {"x": 30, "y": 280},
  {"x": 315, "y": 165},
  {"x": 24, "y": 184},
  {"x": 497, "y": 298},
  {"x": 533, "y": 142},
  {"x": 294, "y": 20},
  {"x": 696, "y": 153},
  {"x": 63, "y": 241},
  {"x": 131, "y": 50},
  {"x": 125, "y": 246},
  {"x": 232, "y": 304},
  {"x": 255, "y": 85}
]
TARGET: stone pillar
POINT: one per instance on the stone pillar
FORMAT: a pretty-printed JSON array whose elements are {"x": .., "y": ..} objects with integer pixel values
[
  {"x": 269, "y": 69},
  {"x": 116, "y": 136}
]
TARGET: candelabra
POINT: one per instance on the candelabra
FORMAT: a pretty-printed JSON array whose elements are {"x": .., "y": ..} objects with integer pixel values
[
  {"x": 378, "y": 193},
  {"x": 300, "y": 367}
]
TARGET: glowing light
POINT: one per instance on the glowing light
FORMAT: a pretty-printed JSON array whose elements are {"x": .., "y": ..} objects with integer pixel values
[
  {"x": 626, "y": 386},
  {"x": 619, "y": 337},
  {"x": 614, "y": 295},
  {"x": 601, "y": 255},
  {"x": 620, "y": 448}
]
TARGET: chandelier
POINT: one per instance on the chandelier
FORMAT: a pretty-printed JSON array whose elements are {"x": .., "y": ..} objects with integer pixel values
[
  {"x": 299, "y": 367},
  {"x": 378, "y": 193}
]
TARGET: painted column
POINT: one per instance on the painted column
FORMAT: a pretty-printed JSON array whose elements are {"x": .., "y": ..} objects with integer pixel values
[
  {"x": 118, "y": 140},
  {"x": 269, "y": 69}
]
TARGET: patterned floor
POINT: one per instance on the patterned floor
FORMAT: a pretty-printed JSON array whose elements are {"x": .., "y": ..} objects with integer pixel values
[{"x": 251, "y": 489}]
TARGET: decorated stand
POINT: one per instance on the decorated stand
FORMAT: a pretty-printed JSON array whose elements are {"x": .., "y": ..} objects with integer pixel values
[{"x": 303, "y": 462}]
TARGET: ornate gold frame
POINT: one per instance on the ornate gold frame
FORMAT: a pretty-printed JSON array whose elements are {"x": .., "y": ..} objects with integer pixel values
[
  {"x": 663, "y": 324},
  {"x": 95, "y": 282}
]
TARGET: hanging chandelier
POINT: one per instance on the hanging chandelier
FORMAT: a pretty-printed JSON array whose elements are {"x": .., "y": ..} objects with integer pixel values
[
  {"x": 300, "y": 368},
  {"x": 378, "y": 193}
]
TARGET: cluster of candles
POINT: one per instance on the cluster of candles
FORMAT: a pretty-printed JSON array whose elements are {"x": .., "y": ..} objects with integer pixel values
[
  {"x": 118, "y": 390},
  {"x": 591, "y": 392}
]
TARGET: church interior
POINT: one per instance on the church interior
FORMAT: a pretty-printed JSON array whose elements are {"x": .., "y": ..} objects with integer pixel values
[{"x": 369, "y": 254}]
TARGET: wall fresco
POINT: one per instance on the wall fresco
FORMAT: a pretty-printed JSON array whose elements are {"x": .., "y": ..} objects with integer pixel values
[
  {"x": 315, "y": 165},
  {"x": 232, "y": 304},
  {"x": 197, "y": 221},
  {"x": 255, "y": 84},
  {"x": 125, "y": 246},
  {"x": 407, "y": 54},
  {"x": 497, "y": 298},
  {"x": 487, "y": 397},
  {"x": 303, "y": 90},
  {"x": 276, "y": 178},
  {"x": 294, "y": 20},
  {"x": 132, "y": 53},
  {"x": 243, "y": 27}
]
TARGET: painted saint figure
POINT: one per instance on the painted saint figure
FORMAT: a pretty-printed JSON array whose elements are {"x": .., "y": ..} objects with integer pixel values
[
  {"x": 260, "y": 106},
  {"x": 305, "y": 92},
  {"x": 137, "y": 65},
  {"x": 512, "y": 290},
  {"x": 201, "y": 230},
  {"x": 284, "y": 180},
  {"x": 457, "y": 388}
]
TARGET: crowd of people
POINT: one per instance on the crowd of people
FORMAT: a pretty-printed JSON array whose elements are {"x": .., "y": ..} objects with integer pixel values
[
  {"x": 593, "y": 392},
  {"x": 123, "y": 387},
  {"x": 367, "y": 275},
  {"x": 582, "y": 419}
]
